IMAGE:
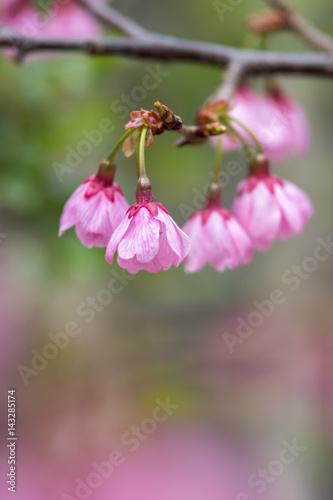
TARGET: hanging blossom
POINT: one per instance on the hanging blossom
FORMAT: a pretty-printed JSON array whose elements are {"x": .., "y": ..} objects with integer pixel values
[
  {"x": 269, "y": 208},
  {"x": 216, "y": 237},
  {"x": 147, "y": 238},
  {"x": 276, "y": 119},
  {"x": 95, "y": 209},
  {"x": 55, "y": 19}
]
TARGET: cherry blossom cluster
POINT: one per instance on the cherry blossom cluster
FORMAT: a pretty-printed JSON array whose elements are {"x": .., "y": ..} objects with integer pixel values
[
  {"x": 268, "y": 125},
  {"x": 266, "y": 208}
]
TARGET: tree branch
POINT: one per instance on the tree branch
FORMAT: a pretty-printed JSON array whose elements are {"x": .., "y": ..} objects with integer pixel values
[
  {"x": 111, "y": 17},
  {"x": 160, "y": 47},
  {"x": 304, "y": 28},
  {"x": 231, "y": 79}
]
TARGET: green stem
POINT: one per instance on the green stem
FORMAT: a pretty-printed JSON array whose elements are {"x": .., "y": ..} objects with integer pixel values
[
  {"x": 247, "y": 148},
  {"x": 119, "y": 144},
  {"x": 218, "y": 161},
  {"x": 249, "y": 131},
  {"x": 140, "y": 153}
]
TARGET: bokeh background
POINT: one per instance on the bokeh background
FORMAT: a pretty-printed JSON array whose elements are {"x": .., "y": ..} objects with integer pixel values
[{"x": 162, "y": 336}]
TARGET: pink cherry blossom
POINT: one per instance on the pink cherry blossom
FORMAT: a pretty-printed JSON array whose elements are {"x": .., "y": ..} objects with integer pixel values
[
  {"x": 216, "y": 239},
  {"x": 277, "y": 120},
  {"x": 148, "y": 238},
  {"x": 58, "y": 19},
  {"x": 268, "y": 208},
  {"x": 95, "y": 209}
]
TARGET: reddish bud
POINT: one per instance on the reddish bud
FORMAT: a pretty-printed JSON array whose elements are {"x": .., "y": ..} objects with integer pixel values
[{"x": 267, "y": 22}]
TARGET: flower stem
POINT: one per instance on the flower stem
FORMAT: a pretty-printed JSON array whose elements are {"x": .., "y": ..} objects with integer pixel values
[
  {"x": 246, "y": 146},
  {"x": 249, "y": 131},
  {"x": 119, "y": 144},
  {"x": 218, "y": 161},
  {"x": 140, "y": 153}
]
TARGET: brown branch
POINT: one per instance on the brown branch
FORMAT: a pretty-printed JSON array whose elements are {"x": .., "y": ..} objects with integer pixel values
[
  {"x": 304, "y": 28},
  {"x": 111, "y": 17},
  {"x": 197, "y": 134},
  {"x": 160, "y": 47}
]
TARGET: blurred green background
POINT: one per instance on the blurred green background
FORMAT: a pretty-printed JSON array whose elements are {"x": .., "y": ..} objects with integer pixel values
[{"x": 163, "y": 334}]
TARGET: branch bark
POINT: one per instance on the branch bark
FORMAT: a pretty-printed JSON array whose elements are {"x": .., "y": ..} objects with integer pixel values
[
  {"x": 231, "y": 79},
  {"x": 303, "y": 28},
  {"x": 111, "y": 17},
  {"x": 160, "y": 47}
]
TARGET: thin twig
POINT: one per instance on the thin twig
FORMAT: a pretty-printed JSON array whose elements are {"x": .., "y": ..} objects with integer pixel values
[
  {"x": 304, "y": 28},
  {"x": 113, "y": 18},
  {"x": 194, "y": 134},
  {"x": 160, "y": 47},
  {"x": 231, "y": 79}
]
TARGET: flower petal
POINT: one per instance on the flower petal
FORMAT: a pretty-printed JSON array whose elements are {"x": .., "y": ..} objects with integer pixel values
[
  {"x": 218, "y": 244},
  {"x": 116, "y": 238},
  {"x": 241, "y": 241},
  {"x": 73, "y": 209},
  {"x": 259, "y": 214},
  {"x": 133, "y": 266},
  {"x": 296, "y": 208},
  {"x": 141, "y": 238},
  {"x": 93, "y": 227},
  {"x": 178, "y": 240},
  {"x": 196, "y": 258}
]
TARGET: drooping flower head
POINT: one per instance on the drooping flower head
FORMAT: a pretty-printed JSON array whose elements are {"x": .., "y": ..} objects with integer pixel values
[
  {"x": 147, "y": 238},
  {"x": 276, "y": 119},
  {"x": 216, "y": 237},
  {"x": 95, "y": 209},
  {"x": 269, "y": 208},
  {"x": 293, "y": 119}
]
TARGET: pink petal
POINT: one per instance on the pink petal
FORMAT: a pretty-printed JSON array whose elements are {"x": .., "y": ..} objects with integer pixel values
[
  {"x": 303, "y": 201},
  {"x": 299, "y": 126},
  {"x": 116, "y": 211},
  {"x": 93, "y": 227},
  {"x": 116, "y": 238},
  {"x": 218, "y": 244},
  {"x": 293, "y": 218},
  {"x": 259, "y": 214},
  {"x": 72, "y": 209},
  {"x": 241, "y": 241},
  {"x": 166, "y": 256},
  {"x": 141, "y": 238},
  {"x": 133, "y": 266},
  {"x": 196, "y": 258},
  {"x": 178, "y": 240}
]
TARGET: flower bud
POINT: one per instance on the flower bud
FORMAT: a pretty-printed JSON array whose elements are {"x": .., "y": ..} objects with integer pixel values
[{"x": 267, "y": 22}]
